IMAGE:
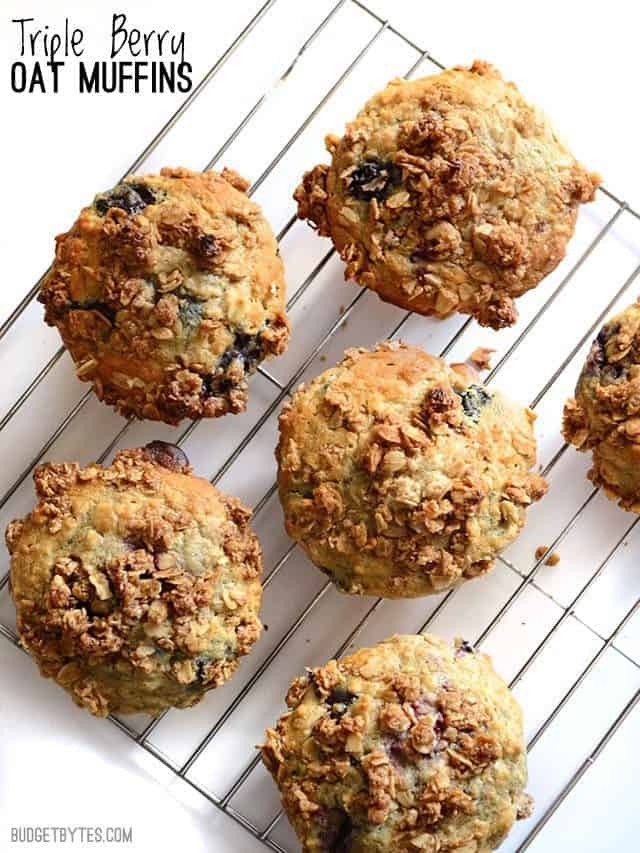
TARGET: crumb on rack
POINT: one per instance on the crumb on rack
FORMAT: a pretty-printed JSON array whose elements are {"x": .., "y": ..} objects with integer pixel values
[
  {"x": 323, "y": 358},
  {"x": 552, "y": 560},
  {"x": 481, "y": 358},
  {"x": 342, "y": 309}
]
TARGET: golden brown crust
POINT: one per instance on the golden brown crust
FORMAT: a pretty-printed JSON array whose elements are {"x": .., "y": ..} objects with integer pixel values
[
  {"x": 448, "y": 193},
  {"x": 137, "y": 586},
  {"x": 401, "y": 476},
  {"x": 604, "y": 415},
  {"x": 412, "y": 745},
  {"x": 168, "y": 291}
]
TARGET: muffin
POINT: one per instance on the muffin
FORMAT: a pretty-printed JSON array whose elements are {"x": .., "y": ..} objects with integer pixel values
[
  {"x": 168, "y": 291},
  {"x": 401, "y": 476},
  {"x": 604, "y": 415},
  {"x": 137, "y": 586},
  {"x": 449, "y": 193},
  {"x": 412, "y": 746}
]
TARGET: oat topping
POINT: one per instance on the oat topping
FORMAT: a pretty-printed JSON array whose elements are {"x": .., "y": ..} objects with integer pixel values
[
  {"x": 448, "y": 193},
  {"x": 604, "y": 415},
  {"x": 168, "y": 291},
  {"x": 427, "y": 754},
  {"x": 400, "y": 475},
  {"x": 137, "y": 586},
  {"x": 481, "y": 358}
]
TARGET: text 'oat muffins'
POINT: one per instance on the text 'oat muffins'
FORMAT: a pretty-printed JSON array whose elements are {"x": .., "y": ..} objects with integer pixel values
[
  {"x": 168, "y": 291},
  {"x": 412, "y": 746},
  {"x": 604, "y": 415},
  {"x": 401, "y": 476},
  {"x": 137, "y": 586},
  {"x": 448, "y": 193}
]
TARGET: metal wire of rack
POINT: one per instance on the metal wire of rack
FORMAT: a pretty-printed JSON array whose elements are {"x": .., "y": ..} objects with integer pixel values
[{"x": 525, "y": 579}]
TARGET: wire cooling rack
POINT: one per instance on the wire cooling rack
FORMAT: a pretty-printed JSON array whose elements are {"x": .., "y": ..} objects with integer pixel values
[{"x": 567, "y": 637}]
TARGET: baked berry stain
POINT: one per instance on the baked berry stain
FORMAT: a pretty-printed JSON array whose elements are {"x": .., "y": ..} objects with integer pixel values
[
  {"x": 339, "y": 700},
  {"x": 438, "y": 729},
  {"x": 597, "y": 361},
  {"x": 208, "y": 247},
  {"x": 132, "y": 198},
  {"x": 190, "y": 314},
  {"x": 374, "y": 179},
  {"x": 335, "y": 831},
  {"x": 246, "y": 349},
  {"x": 465, "y": 648},
  {"x": 598, "y": 353},
  {"x": 474, "y": 399},
  {"x": 167, "y": 455},
  {"x": 344, "y": 840},
  {"x": 201, "y": 664},
  {"x": 423, "y": 705},
  {"x": 133, "y": 544},
  {"x": 215, "y": 386},
  {"x": 396, "y": 748}
]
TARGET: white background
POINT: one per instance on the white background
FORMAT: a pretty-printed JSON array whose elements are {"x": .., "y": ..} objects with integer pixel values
[{"x": 58, "y": 766}]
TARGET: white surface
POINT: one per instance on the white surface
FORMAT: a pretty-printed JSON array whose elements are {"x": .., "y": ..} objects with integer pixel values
[{"x": 59, "y": 766}]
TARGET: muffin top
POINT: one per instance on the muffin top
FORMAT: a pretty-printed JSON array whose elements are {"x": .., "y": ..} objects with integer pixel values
[
  {"x": 604, "y": 415},
  {"x": 400, "y": 475},
  {"x": 137, "y": 586},
  {"x": 412, "y": 746},
  {"x": 168, "y": 291},
  {"x": 448, "y": 193}
]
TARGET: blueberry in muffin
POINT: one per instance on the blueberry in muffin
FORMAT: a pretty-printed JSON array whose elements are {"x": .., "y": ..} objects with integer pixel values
[
  {"x": 412, "y": 746},
  {"x": 137, "y": 585},
  {"x": 449, "y": 193},
  {"x": 168, "y": 292},
  {"x": 402, "y": 476}
]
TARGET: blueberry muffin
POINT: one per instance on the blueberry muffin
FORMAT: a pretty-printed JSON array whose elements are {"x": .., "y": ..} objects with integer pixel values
[
  {"x": 401, "y": 476},
  {"x": 168, "y": 291},
  {"x": 449, "y": 193},
  {"x": 604, "y": 415},
  {"x": 137, "y": 586},
  {"x": 412, "y": 746}
]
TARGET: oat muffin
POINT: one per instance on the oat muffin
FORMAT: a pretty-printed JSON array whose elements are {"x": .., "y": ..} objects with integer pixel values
[
  {"x": 168, "y": 291},
  {"x": 401, "y": 476},
  {"x": 449, "y": 193},
  {"x": 604, "y": 415},
  {"x": 412, "y": 746},
  {"x": 137, "y": 586}
]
